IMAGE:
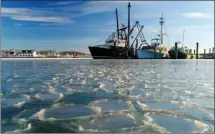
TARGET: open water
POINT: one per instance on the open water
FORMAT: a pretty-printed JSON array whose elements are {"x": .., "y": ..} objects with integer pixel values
[{"x": 153, "y": 96}]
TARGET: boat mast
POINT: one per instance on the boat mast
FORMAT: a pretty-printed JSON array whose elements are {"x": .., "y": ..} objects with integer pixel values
[
  {"x": 129, "y": 6},
  {"x": 183, "y": 39},
  {"x": 117, "y": 24},
  {"x": 161, "y": 23}
]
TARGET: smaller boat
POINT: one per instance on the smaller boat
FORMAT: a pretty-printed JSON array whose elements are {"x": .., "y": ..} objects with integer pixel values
[
  {"x": 182, "y": 52},
  {"x": 156, "y": 50}
]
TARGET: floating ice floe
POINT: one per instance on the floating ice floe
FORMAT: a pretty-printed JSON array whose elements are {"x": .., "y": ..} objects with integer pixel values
[
  {"x": 174, "y": 125},
  {"x": 48, "y": 96},
  {"x": 17, "y": 102},
  {"x": 65, "y": 112},
  {"x": 162, "y": 105},
  {"x": 25, "y": 114},
  {"x": 110, "y": 123},
  {"x": 111, "y": 105},
  {"x": 209, "y": 103}
]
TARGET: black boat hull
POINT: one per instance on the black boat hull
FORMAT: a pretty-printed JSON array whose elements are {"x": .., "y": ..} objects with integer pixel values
[
  {"x": 111, "y": 53},
  {"x": 180, "y": 54}
]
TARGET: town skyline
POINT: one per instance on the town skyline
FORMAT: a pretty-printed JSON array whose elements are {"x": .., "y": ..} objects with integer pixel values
[
  {"x": 74, "y": 25},
  {"x": 41, "y": 50}
]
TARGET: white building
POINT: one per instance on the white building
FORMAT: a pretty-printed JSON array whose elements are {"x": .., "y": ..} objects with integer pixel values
[
  {"x": 4, "y": 53},
  {"x": 27, "y": 53}
]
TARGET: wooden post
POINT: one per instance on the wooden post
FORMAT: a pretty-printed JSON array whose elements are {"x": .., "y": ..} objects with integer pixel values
[
  {"x": 197, "y": 49},
  {"x": 176, "y": 50},
  {"x": 136, "y": 46},
  {"x": 204, "y": 53},
  {"x": 213, "y": 52},
  {"x": 126, "y": 50},
  {"x": 114, "y": 50},
  {"x": 209, "y": 55},
  {"x": 155, "y": 51}
]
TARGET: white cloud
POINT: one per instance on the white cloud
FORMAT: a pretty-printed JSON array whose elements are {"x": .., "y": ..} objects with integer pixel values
[
  {"x": 94, "y": 7},
  {"x": 26, "y": 14},
  {"x": 13, "y": 10},
  {"x": 61, "y": 13},
  {"x": 64, "y": 2},
  {"x": 197, "y": 15},
  {"x": 41, "y": 19}
]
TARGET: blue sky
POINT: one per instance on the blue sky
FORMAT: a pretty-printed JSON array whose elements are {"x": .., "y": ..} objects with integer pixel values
[{"x": 74, "y": 25}]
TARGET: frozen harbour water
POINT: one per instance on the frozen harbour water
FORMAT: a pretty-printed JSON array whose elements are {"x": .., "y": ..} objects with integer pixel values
[{"x": 86, "y": 95}]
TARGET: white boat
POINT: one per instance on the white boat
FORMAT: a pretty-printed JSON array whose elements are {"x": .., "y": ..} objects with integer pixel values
[{"x": 154, "y": 51}]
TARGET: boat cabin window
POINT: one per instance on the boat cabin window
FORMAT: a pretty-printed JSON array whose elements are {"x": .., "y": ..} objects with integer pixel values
[
  {"x": 110, "y": 41},
  {"x": 155, "y": 44}
]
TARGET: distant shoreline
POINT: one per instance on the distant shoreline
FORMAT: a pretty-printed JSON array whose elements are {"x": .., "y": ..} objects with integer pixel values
[
  {"x": 38, "y": 58},
  {"x": 88, "y": 59}
]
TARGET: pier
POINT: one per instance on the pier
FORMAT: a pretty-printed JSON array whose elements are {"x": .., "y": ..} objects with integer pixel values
[
  {"x": 205, "y": 55},
  {"x": 189, "y": 54}
]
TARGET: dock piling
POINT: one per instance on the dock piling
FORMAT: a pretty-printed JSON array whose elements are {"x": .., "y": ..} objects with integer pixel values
[
  {"x": 197, "y": 48},
  {"x": 176, "y": 50},
  {"x": 209, "y": 54},
  {"x": 213, "y": 51},
  {"x": 204, "y": 53},
  {"x": 155, "y": 51}
]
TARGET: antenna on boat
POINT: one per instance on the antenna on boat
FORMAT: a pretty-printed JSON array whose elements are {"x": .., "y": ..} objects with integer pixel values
[
  {"x": 161, "y": 23},
  {"x": 117, "y": 23},
  {"x": 129, "y": 6}
]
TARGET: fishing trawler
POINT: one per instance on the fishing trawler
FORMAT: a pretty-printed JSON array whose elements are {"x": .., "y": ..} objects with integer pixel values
[
  {"x": 156, "y": 50},
  {"x": 112, "y": 49},
  {"x": 117, "y": 45}
]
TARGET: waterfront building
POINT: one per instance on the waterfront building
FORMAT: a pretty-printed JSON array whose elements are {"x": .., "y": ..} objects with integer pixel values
[
  {"x": 27, "y": 53},
  {"x": 4, "y": 53}
]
